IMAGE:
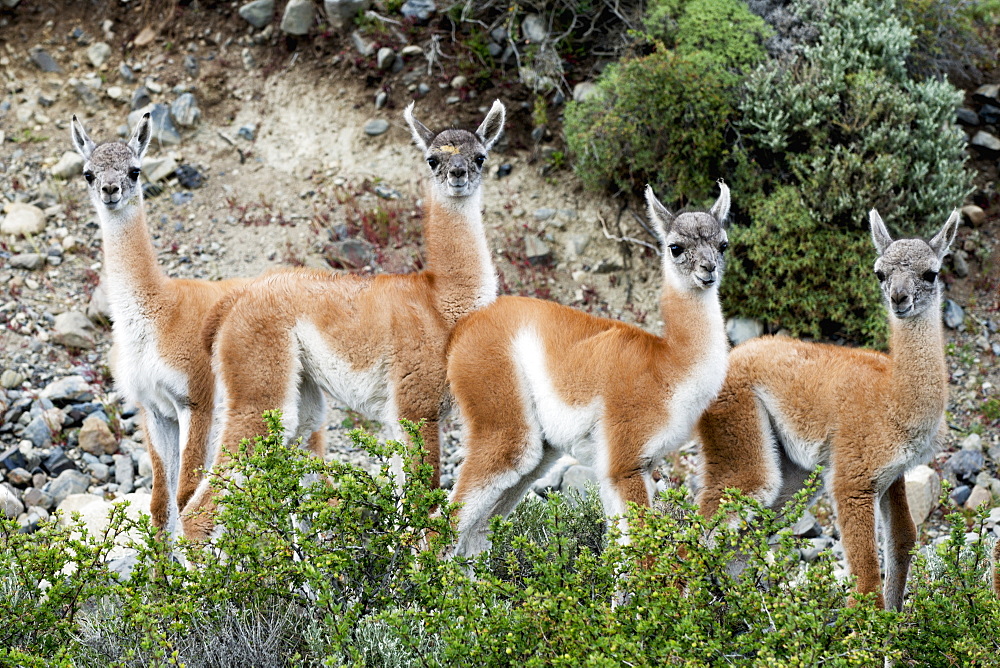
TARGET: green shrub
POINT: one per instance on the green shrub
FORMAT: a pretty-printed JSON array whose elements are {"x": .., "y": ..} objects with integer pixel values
[
  {"x": 723, "y": 29},
  {"x": 660, "y": 119},
  {"x": 787, "y": 268}
]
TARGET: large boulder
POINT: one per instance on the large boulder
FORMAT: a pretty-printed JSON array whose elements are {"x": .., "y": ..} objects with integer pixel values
[
  {"x": 22, "y": 220},
  {"x": 923, "y": 487}
]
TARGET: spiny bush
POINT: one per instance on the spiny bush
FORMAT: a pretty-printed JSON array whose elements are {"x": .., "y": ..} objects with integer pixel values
[{"x": 725, "y": 30}]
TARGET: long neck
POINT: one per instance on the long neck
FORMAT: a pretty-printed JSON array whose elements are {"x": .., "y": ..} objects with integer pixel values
[
  {"x": 919, "y": 372},
  {"x": 458, "y": 255},
  {"x": 693, "y": 325},
  {"x": 129, "y": 257}
]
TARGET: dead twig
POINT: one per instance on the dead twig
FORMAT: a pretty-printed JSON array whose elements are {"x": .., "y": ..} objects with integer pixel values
[{"x": 624, "y": 239}]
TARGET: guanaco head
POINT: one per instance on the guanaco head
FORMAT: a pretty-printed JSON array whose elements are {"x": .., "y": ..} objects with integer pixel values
[
  {"x": 694, "y": 242},
  {"x": 456, "y": 157},
  {"x": 907, "y": 269},
  {"x": 112, "y": 169}
]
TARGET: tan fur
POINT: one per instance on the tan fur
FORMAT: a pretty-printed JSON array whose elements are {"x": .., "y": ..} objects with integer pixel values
[
  {"x": 390, "y": 331},
  {"x": 788, "y": 407},
  {"x": 613, "y": 382}
]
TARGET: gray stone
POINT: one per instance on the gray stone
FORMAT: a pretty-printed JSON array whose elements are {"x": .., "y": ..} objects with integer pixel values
[
  {"x": 43, "y": 61},
  {"x": 71, "y": 389},
  {"x": 421, "y": 10},
  {"x": 36, "y": 497},
  {"x": 191, "y": 65},
  {"x": 257, "y": 13},
  {"x": 973, "y": 442},
  {"x": 381, "y": 98},
  {"x": 10, "y": 505},
  {"x": 923, "y": 487},
  {"x": 298, "y": 17},
  {"x": 578, "y": 477},
  {"x": 74, "y": 330},
  {"x": 10, "y": 379},
  {"x": 960, "y": 494},
  {"x": 534, "y": 28},
  {"x": 544, "y": 214},
  {"x": 69, "y": 482},
  {"x": 98, "y": 308},
  {"x": 19, "y": 477},
  {"x": 355, "y": 253},
  {"x": 807, "y": 527},
  {"x": 126, "y": 73},
  {"x": 584, "y": 91},
  {"x": 85, "y": 93},
  {"x": 990, "y": 114},
  {"x": 815, "y": 547},
  {"x": 986, "y": 142},
  {"x": 38, "y": 432},
  {"x": 341, "y": 12},
  {"x": 987, "y": 94},
  {"x": 953, "y": 314},
  {"x": 22, "y": 220},
  {"x": 30, "y": 261},
  {"x": 966, "y": 116},
  {"x": 124, "y": 473},
  {"x": 376, "y": 127},
  {"x": 964, "y": 465},
  {"x": 552, "y": 479},
  {"x": 743, "y": 329},
  {"x": 157, "y": 169},
  {"x": 974, "y": 215},
  {"x": 145, "y": 465},
  {"x": 459, "y": 82},
  {"x": 141, "y": 98},
  {"x": 164, "y": 131},
  {"x": 960, "y": 264},
  {"x": 362, "y": 45},
  {"x": 536, "y": 250},
  {"x": 385, "y": 58},
  {"x": 185, "y": 110},
  {"x": 978, "y": 497},
  {"x": 576, "y": 243},
  {"x": 70, "y": 164},
  {"x": 96, "y": 437},
  {"x": 411, "y": 50},
  {"x": 494, "y": 49},
  {"x": 98, "y": 53},
  {"x": 99, "y": 472}
]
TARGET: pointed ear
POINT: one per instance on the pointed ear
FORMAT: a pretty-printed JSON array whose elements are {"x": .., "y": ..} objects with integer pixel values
[
  {"x": 659, "y": 216},
  {"x": 721, "y": 207},
  {"x": 143, "y": 132},
  {"x": 942, "y": 240},
  {"x": 492, "y": 126},
  {"x": 81, "y": 142},
  {"x": 421, "y": 135},
  {"x": 880, "y": 235}
]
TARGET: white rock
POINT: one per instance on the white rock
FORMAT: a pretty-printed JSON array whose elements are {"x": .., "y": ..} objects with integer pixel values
[
  {"x": 94, "y": 511},
  {"x": 98, "y": 53},
  {"x": 341, "y": 12},
  {"x": 743, "y": 329},
  {"x": 298, "y": 17},
  {"x": 534, "y": 28},
  {"x": 973, "y": 442},
  {"x": 258, "y": 13},
  {"x": 923, "y": 487},
  {"x": 74, "y": 330},
  {"x": 70, "y": 164},
  {"x": 10, "y": 505},
  {"x": 385, "y": 58},
  {"x": 157, "y": 169},
  {"x": 584, "y": 91},
  {"x": 22, "y": 219}
]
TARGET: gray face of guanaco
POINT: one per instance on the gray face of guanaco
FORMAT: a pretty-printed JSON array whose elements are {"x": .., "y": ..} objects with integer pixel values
[
  {"x": 112, "y": 169},
  {"x": 456, "y": 157},
  {"x": 694, "y": 243},
  {"x": 907, "y": 269}
]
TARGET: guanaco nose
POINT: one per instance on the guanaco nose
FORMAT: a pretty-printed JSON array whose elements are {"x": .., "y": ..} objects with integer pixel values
[
  {"x": 899, "y": 298},
  {"x": 110, "y": 188},
  {"x": 457, "y": 168}
]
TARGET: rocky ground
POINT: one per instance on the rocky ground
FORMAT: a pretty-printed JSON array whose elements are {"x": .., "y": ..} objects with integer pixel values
[{"x": 269, "y": 153}]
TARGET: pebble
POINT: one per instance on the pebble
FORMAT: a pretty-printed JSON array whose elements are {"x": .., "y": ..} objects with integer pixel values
[
  {"x": 157, "y": 169},
  {"x": 385, "y": 58},
  {"x": 584, "y": 90},
  {"x": 578, "y": 477},
  {"x": 986, "y": 142},
  {"x": 953, "y": 314},
  {"x": 22, "y": 220},
  {"x": 248, "y": 132},
  {"x": 459, "y": 82},
  {"x": 257, "y": 13},
  {"x": 536, "y": 250},
  {"x": 362, "y": 45},
  {"x": 380, "y": 99},
  {"x": 68, "y": 482},
  {"x": 411, "y": 51},
  {"x": 973, "y": 442},
  {"x": 987, "y": 94},
  {"x": 70, "y": 164},
  {"x": 141, "y": 98},
  {"x": 30, "y": 261},
  {"x": 743, "y": 329},
  {"x": 298, "y": 17},
  {"x": 10, "y": 504},
  {"x": 534, "y": 28},
  {"x": 43, "y": 61},
  {"x": 116, "y": 93},
  {"x": 185, "y": 110},
  {"x": 342, "y": 12},
  {"x": 965, "y": 464},
  {"x": 10, "y": 379},
  {"x": 421, "y": 10},
  {"x": 923, "y": 487},
  {"x": 98, "y": 53},
  {"x": 126, "y": 73},
  {"x": 164, "y": 131},
  {"x": 376, "y": 127},
  {"x": 974, "y": 215},
  {"x": 978, "y": 497},
  {"x": 74, "y": 330},
  {"x": 96, "y": 438},
  {"x": 452, "y": 99},
  {"x": 189, "y": 177}
]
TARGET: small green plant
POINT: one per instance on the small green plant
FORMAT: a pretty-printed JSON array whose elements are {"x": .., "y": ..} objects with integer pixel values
[
  {"x": 991, "y": 409},
  {"x": 27, "y": 136}
]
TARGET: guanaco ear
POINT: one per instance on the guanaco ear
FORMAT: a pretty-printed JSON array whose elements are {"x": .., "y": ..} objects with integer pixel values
[
  {"x": 659, "y": 216},
  {"x": 492, "y": 126},
  {"x": 942, "y": 240},
  {"x": 143, "y": 132},
  {"x": 721, "y": 207},
  {"x": 421, "y": 135},
  {"x": 880, "y": 235},
  {"x": 81, "y": 142}
]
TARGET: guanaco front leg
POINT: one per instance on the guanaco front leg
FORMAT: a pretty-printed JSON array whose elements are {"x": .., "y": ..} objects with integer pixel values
[
  {"x": 856, "y": 517},
  {"x": 899, "y": 537}
]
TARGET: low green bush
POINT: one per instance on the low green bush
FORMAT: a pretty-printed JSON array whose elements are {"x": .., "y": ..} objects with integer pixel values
[{"x": 335, "y": 573}]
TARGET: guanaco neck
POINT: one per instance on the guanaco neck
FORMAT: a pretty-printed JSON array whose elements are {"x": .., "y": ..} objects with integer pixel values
[
  {"x": 693, "y": 325},
  {"x": 458, "y": 256},
  {"x": 132, "y": 271},
  {"x": 919, "y": 372}
]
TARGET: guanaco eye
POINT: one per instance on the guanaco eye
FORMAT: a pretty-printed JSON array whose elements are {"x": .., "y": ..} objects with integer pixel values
[
  {"x": 89, "y": 175},
  {"x": 433, "y": 162},
  {"x": 133, "y": 173},
  {"x": 930, "y": 275},
  {"x": 880, "y": 276},
  {"x": 480, "y": 159},
  {"x": 675, "y": 250},
  {"x": 723, "y": 246}
]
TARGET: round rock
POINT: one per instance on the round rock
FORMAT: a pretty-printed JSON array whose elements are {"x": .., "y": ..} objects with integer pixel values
[
  {"x": 98, "y": 53},
  {"x": 22, "y": 220},
  {"x": 376, "y": 127}
]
